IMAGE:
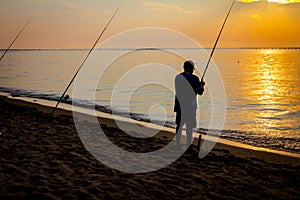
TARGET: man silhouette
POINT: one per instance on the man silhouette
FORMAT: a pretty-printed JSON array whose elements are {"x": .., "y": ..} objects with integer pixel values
[{"x": 187, "y": 86}]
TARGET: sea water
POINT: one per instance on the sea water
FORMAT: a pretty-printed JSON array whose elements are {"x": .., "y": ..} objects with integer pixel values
[{"x": 261, "y": 86}]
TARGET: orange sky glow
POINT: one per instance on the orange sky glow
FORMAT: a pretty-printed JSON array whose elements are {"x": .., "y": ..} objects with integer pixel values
[{"x": 77, "y": 23}]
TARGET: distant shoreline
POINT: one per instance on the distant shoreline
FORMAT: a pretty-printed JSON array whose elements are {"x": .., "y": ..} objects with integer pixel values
[{"x": 150, "y": 48}]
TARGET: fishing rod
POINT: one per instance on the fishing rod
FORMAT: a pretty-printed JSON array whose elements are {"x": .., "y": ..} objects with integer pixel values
[
  {"x": 15, "y": 39},
  {"x": 212, "y": 52},
  {"x": 83, "y": 63}
]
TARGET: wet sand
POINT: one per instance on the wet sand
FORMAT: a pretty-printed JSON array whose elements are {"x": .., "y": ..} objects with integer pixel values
[{"x": 41, "y": 160}]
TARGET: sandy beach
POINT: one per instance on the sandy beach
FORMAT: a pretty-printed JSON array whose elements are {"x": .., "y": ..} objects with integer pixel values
[{"x": 41, "y": 160}]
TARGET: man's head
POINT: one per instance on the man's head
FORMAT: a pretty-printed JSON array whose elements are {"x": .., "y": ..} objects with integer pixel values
[{"x": 188, "y": 66}]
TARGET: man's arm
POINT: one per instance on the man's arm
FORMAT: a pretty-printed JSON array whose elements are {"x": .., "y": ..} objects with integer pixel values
[{"x": 199, "y": 87}]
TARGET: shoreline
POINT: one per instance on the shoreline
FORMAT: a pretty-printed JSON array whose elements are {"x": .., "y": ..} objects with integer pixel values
[
  {"x": 237, "y": 149},
  {"x": 41, "y": 160}
]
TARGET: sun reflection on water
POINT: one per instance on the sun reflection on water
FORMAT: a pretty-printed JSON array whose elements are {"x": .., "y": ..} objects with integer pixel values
[{"x": 271, "y": 92}]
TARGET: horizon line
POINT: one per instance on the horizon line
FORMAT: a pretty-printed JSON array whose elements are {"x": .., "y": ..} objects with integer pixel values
[{"x": 146, "y": 48}]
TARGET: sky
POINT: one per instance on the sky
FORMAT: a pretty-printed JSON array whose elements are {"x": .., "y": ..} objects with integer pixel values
[{"x": 75, "y": 24}]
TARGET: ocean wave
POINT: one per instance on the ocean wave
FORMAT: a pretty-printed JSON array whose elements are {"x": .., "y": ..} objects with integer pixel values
[
  {"x": 292, "y": 114},
  {"x": 27, "y": 93},
  {"x": 283, "y": 143}
]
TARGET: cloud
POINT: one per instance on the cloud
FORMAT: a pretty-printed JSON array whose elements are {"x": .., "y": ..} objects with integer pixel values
[
  {"x": 166, "y": 7},
  {"x": 247, "y": 1},
  {"x": 272, "y": 1},
  {"x": 255, "y": 16},
  {"x": 283, "y": 1},
  {"x": 69, "y": 6}
]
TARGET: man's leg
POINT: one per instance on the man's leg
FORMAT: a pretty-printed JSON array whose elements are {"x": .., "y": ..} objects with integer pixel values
[
  {"x": 178, "y": 128},
  {"x": 178, "y": 134},
  {"x": 191, "y": 123},
  {"x": 189, "y": 134}
]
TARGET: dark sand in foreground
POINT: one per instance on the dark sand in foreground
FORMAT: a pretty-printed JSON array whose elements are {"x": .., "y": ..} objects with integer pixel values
[{"x": 48, "y": 161}]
